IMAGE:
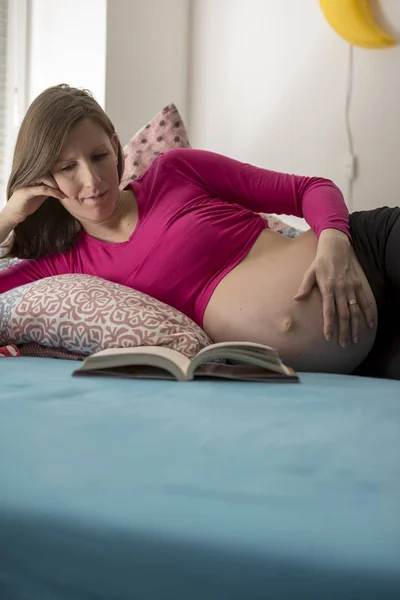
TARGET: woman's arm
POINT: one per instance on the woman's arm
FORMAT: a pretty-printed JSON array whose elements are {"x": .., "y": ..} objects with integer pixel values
[
  {"x": 29, "y": 270},
  {"x": 20, "y": 273},
  {"x": 319, "y": 201}
]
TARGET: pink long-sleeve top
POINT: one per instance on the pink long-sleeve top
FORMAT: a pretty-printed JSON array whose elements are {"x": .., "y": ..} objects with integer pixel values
[{"x": 197, "y": 220}]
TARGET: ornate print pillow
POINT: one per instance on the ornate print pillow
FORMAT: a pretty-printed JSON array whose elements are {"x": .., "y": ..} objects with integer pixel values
[
  {"x": 84, "y": 314},
  {"x": 281, "y": 226}
]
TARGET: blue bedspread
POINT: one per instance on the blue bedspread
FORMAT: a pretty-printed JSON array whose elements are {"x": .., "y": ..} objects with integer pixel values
[{"x": 150, "y": 490}]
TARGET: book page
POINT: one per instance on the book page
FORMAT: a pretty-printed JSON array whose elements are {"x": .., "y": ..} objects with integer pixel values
[
  {"x": 240, "y": 353},
  {"x": 243, "y": 373},
  {"x": 242, "y": 346},
  {"x": 156, "y": 356}
]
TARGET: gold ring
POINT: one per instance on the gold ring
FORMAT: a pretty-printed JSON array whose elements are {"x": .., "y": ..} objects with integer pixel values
[{"x": 352, "y": 301}]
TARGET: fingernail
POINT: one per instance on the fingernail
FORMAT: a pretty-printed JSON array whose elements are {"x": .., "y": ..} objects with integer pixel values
[
  {"x": 355, "y": 339},
  {"x": 371, "y": 324},
  {"x": 328, "y": 337},
  {"x": 343, "y": 344}
]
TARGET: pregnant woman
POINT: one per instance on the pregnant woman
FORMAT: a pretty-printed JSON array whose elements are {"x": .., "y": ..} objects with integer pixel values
[{"x": 187, "y": 232}]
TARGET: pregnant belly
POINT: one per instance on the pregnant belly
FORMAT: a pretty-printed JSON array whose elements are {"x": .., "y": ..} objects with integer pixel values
[{"x": 254, "y": 302}]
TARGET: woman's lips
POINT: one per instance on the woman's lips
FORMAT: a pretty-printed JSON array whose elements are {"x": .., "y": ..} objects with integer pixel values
[{"x": 96, "y": 198}]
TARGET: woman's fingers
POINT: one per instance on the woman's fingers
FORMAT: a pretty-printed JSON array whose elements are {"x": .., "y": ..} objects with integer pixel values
[
  {"x": 365, "y": 307},
  {"x": 338, "y": 306},
  {"x": 343, "y": 315},
  {"x": 42, "y": 188},
  {"x": 306, "y": 287},
  {"x": 352, "y": 306},
  {"x": 359, "y": 309},
  {"x": 329, "y": 312},
  {"x": 50, "y": 182},
  {"x": 355, "y": 317}
]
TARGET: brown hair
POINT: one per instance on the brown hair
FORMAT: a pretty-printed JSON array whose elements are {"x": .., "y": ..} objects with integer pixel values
[{"x": 51, "y": 116}]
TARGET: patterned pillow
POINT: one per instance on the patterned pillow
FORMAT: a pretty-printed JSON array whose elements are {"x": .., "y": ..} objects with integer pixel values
[
  {"x": 165, "y": 131},
  {"x": 7, "y": 262},
  {"x": 84, "y": 314},
  {"x": 280, "y": 226}
]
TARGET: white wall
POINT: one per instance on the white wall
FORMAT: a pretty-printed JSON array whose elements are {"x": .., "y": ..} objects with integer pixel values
[
  {"x": 260, "y": 80},
  {"x": 147, "y": 61},
  {"x": 67, "y": 45},
  {"x": 133, "y": 55},
  {"x": 269, "y": 87}
]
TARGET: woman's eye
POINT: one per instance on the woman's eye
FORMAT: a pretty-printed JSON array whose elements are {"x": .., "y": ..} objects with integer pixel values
[
  {"x": 100, "y": 156},
  {"x": 67, "y": 168}
]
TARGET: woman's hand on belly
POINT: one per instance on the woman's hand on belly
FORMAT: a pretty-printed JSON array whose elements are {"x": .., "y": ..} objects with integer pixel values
[{"x": 334, "y": 272}]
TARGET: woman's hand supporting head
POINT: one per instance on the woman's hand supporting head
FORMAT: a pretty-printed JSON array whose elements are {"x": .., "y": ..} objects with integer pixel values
[{"x": 25, "y": 201}]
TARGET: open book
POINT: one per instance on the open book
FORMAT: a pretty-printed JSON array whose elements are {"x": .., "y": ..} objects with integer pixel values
[{"x": 242, "y": 360}]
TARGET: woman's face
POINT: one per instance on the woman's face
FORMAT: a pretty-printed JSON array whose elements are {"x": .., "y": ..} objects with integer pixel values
[{"x": 86, "y": 172}]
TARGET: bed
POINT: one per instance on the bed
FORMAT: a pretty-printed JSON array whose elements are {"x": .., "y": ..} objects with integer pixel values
[
  {"x": 121, "y": 489},
  {"x": 140, "y": 490}
]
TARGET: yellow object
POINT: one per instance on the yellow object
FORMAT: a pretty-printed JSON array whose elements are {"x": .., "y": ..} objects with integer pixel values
[{"x": 354, "y": 21}]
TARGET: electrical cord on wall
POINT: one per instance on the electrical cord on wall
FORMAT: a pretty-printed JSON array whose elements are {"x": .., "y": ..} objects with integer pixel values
[{"x": 351, "y": 159}]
